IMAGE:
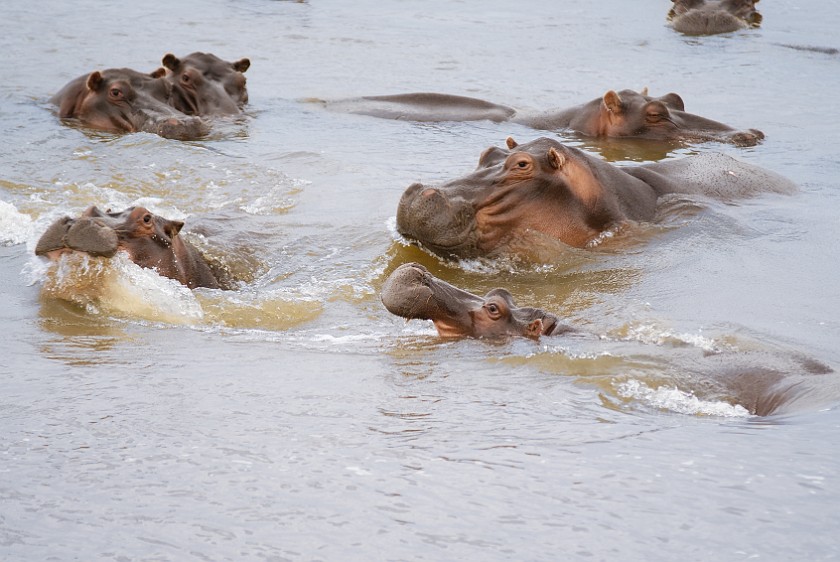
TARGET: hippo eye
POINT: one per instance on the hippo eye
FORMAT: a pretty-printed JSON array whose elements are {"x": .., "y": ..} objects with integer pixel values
[
  {"x": 147, "y": 218},
  {"x": 522, "y": 164},
  {"x": 115, "y": 93},
  {"x": 654, "y": 117},
  {"x": 185, "y": 77},
  {"x": 493, "y": 310}
]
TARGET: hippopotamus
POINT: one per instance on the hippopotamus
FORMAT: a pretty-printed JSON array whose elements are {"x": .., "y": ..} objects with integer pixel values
[
  {"x": 563, "y": 193},
  {"x": 708, "y": 17},
  {"x": 150, "y": 241},
  {"x": 412, "y": 292},
  {"x": 625, "y": 114},
  {"x": 122, "y": 100},
  {"x": 204, "y": 84}
]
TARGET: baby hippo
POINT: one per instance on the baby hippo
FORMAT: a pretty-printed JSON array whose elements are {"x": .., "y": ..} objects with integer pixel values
[
  {"x": 150, "y": 241},
  {"x": 412, "y": 292}
]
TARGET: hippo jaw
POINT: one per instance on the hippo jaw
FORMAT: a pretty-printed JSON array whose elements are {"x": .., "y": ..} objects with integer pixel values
[
  {"x": 445, "y": 225},
  {"x": 413, "y": 293}
]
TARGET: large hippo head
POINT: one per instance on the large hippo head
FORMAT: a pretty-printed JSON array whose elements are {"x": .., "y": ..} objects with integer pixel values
[
  {"x": 542, "y": 186},
  {"x": 204, "y": 84},
  {"x": 150, "y": 241},
  {"x": 412, "y": 292},
  {"x": 122, "y": 100},
  {"x": 633, "y": 114},
  {"x": 707, "y": 17}
]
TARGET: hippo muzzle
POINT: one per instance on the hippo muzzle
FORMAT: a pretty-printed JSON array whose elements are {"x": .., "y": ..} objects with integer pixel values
[{"x": 445, "y": 224}]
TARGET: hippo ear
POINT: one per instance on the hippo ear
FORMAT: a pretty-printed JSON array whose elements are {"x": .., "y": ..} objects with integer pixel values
[
  {"x": 158, "y": 73},
  {"x": 535, "y": 329},
  {"x": 172, "y": 228},
  {"x": 644, "y": 91},
  {"x": 612, "y": 102},
  {"x": 171, "y": 62},
  {"x": 242, "y": 65},
  {"x": 94, "y": 81},
  {"x": 511, "y": 144},
  {"x": 673, "y": 101},
  {"x": 555, "y": 158}
]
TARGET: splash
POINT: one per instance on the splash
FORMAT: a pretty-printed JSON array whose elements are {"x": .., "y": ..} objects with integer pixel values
[
  {"x": 678, "y": 401},
  {"x": 15, "y": 227}
]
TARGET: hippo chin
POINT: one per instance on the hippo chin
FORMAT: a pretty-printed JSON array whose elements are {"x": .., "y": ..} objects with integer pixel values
[
  {"x": 412, "y": 292},
  {"x": 624, "y": 114},
  {"x": 709, "y": 17},
  {"x": 122, "y": 100},
  {"x": 149, "y": 240},
  {"x": 563, "y": 193},
  {"x": 203, "y": 84}
]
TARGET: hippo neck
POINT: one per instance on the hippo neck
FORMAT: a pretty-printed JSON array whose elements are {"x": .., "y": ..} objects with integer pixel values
[{"x": 585, "y": 118}]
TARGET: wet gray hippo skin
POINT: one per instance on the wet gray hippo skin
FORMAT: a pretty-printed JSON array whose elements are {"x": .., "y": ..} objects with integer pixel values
[
  {"x": 203, "y": 84},
  {"x": 625, "y": 114},
  {"x": 563, "y": 193},
  {"x": 122, "y": 100},
  {"x": 150, "y": 241},
  {"x": 414, "y": 293},
  {"x": 708, "y": 17}
]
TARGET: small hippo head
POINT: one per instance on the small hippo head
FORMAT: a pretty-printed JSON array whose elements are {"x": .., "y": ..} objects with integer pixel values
[
  {"x": 149, "y": 240},
  {"x": 412, "y": 292},
  {"x": 539, "y": 187},
  {"x": 123, "y": 100},
  {"x": 204, "y": 84},
  {"x": 634, "y": 114},
  {"x": 708, "y": 17}
]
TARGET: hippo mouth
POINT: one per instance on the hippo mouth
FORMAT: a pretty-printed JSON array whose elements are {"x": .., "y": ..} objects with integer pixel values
[{"x": 87, "y": 235}]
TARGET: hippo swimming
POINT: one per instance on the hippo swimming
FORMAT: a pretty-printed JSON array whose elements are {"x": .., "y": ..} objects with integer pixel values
[
  {"x": 122, "y": 100},
  {"x": 412, "y": 292},
  {"x": 563, "y": 193},
  {"x": 625, "y": 114},
  {"x": 708, "y": 17},
  {"x": 150, "y": 241},
  {"x": 204, "y": 84}
]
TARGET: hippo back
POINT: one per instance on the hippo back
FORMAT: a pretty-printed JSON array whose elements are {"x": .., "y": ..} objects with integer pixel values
[{"x": 712, "y": 174}]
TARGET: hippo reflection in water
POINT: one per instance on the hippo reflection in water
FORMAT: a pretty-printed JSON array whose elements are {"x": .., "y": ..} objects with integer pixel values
[
  {"x": 708, "y": 17},
  {"x": 121, "y": 100},
  {"x": 414, "y": 293},
  {"x": 563, "y": 193},
  {"x": 204, "y": 84},
  {"x": 624, "y": 114},
  {"x": 149, "y": 240}
]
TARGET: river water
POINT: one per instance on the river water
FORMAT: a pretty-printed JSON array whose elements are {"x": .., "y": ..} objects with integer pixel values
[{"x": 295, "y": 419}]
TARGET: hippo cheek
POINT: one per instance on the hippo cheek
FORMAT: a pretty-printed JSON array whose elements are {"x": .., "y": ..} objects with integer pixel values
[{"x": 444, "y": 224}]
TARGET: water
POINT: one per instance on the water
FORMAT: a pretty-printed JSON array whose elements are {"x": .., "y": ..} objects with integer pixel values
[{"x": 295, "y": 419}]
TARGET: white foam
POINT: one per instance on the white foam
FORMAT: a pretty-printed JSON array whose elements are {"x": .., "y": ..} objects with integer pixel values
[
  {"x": 15, "y": 227},
  {"x": 676, "y": 400},
  {"x": 651, "y": 334}
]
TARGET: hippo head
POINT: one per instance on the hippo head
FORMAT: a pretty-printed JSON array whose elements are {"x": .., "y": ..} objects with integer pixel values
[
  {"x": 204, "y": 84},
  {"x": 123, "y": 100},
  {"x": 634, "y": 114},
  {"x": 412, "y": 292},
  {"x": 542, "y": 186},
  {"x": 149, "y": 240},
  {"x": 708, "y": 17}
]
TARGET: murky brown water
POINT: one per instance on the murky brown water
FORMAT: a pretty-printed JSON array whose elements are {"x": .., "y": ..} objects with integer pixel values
[{"x": 295, "y": 419}]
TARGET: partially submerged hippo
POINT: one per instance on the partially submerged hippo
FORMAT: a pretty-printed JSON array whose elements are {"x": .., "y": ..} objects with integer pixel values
[
  {"x": 708, "y": 17},
  {"x": 625, "y": 114},
  {"x": 563, "y": 193},
  {"x": 122, "y": 100},
  {"x": 150, "y": 241},
  {"x": 204, "y": 84},
  {"x": 412, "y": 292}
]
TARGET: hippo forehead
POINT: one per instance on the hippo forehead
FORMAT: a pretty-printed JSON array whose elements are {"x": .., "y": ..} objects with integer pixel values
[{"x": 495, "y": 155}]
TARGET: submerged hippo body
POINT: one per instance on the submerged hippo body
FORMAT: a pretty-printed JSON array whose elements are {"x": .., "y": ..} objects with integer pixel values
[
  {"x": 625, "y": 114},
  {"x": 561, "y": 192},
  {"x": 709, "y": 17},
  {"x": 122, "y": 100},
  {"x": 203, "y": 84},
  {"x": 412, "y": 292},
  {"x": 150, "y": 241}
]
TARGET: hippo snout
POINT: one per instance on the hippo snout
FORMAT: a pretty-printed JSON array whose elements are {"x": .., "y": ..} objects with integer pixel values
[
  {"x": 429, "y": 216},
  {"x": 185, "y": 128}
]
